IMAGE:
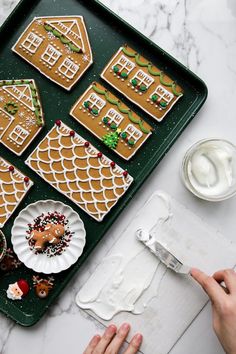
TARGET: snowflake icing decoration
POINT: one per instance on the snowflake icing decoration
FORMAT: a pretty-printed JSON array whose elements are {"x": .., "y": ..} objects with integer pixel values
[
  {"x": 39, "y": 22},
  {"x": 30, "y": 121},
  {"x": 2, "y": 99},
  {"x": 22, "y": 114},
  {"x": 51, "y": 35},
  {"x": 68, "y": 50},
  {"x": 85, "y": 58}
]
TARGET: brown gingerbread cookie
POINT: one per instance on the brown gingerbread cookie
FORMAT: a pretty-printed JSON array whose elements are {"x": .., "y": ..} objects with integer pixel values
[
  {"x": 42, "y": 286},
  {"x": 142, "y": 82},
  {"x": 9, "y": 262},
  {"x": 51, "y": 235}
]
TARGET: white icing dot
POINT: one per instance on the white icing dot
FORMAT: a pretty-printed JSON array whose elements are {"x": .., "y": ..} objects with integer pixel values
[
  {"x": 156, "y": 105},
  {"x": 126, "y": 144},
  {"x": 118, "y": 77},
  {"x": 84, "y": 110},
  {"x": 148, "y": 100},
  {"x": 110, "y": 71},
  {"x": 68, "y": 80},
  {"x": 114, "y": 74},
  {"x": 140, "y": 93},
  {"x": 136, "y": 90},
  {"x": 107, "y": 129},
  {"x": 89, "y": 114},
  {"x": 152, "y": 103},
  {"x": 132, "y": 87},
  {"x": 80, "y": 108},
  {"x": 122, "y": 79},
  {"x": 100, "y": 123},
  {"x": 128, "y": 85},
  {"x": 104, "y": 126},
  {"x": 129, "y": 148}
]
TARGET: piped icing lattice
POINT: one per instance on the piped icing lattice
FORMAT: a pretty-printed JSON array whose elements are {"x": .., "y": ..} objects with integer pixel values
[
  {"x": 13, "y": 187},
  {"x": 78, "y": 170}
]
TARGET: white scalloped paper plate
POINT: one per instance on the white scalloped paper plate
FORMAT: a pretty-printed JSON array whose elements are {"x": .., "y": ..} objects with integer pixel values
[{"x": 40, "y": 263}]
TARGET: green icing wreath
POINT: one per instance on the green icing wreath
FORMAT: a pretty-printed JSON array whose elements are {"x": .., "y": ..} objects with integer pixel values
[{"x": 11, "y": 108}]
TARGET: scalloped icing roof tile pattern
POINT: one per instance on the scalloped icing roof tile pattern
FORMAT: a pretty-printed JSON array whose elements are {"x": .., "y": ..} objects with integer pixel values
[
  {"x": 77, "y": 172},
  {"x": 13, "y": 189}
]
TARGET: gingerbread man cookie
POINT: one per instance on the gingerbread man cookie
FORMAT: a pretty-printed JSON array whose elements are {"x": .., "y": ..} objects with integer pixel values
[{"x": 50, "y": 235}]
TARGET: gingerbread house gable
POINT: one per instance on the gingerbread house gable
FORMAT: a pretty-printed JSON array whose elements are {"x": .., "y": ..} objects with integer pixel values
[
  {"x": 111, "y": 121},
  {"x": 58, "y": 47},
  {"x": 142, "y": 83},
  {"x": 21, "y": 114}
]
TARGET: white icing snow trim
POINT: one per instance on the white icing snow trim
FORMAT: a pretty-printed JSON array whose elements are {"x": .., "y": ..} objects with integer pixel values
[
  {"x": 89, "y": 45},
  {"x": 91, "y": 151},
  {"x": 39, "y": 128},
  {"x": 134, "y": 101},
  {"x": 94, "y": 133},
  {"x": 16, "y": 178}
]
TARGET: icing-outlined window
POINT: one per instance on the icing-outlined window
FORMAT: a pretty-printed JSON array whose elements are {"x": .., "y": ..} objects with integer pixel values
[
  {"x": 143, "y": 79},
  {"x": 96, "y": 102},
  {"x": 163, "y": 94},
  {"x": 125, "y": 64},
  {"x": 68, "y": 68},
  {"x": 18, "y": 135},
  {"x": 51, "y": 55},
  {"x": 114, "y": 116},
  {"x": 32, "y": 42},
  {"x": 133, "y": 133}
]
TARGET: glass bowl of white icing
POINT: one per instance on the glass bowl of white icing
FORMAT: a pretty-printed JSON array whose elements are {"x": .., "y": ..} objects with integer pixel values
[{"x": 209, "y": 169}]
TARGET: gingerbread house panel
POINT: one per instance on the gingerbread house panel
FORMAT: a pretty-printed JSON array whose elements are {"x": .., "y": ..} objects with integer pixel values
[
  {"x": 142, "y": 82},
  {"x": 21, "y": 114},
  {"x": 111, "y": 121},
  {"x": 79, "y": 171},
  {"x": 58, "y": 47}
]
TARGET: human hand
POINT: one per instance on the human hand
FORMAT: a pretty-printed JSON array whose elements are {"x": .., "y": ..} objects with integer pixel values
[
  {"x": 223, "y": 304},
  {"x": 112, "y": 340}
]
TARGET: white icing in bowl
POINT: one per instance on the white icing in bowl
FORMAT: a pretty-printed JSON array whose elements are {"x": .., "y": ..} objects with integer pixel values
[
  {"x": 209, "y": 169},
  {"x": 41, "y": 263}
]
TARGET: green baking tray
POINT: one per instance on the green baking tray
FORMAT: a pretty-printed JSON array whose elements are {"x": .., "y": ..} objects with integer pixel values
[{"x": 107, "y": 32}]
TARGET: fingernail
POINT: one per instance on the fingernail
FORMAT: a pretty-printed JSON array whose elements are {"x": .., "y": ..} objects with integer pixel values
[
  {"x": 138, "y": 339},
  {"x": 95, "y": 340},
  {"x": 111, "y": 330},
  {"x": 125, "y": 327}
]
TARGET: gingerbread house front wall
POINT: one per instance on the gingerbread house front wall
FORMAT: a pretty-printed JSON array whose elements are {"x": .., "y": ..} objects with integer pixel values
[
  {"x": 55, "y": 56},
  {"x": 136, "y": 83},
  {"x": 18, "y": 123},
  {"x": 100, "y": 127}
]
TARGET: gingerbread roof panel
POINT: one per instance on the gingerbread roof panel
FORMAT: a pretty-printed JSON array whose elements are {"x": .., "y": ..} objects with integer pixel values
[
  {"x": 111, "y": 121},
  {"x": 79, "y": 171},
  {"x": 13, "y": 187},
  {"x": 21, "y": 114},
  {"x": 142, "y": 83},
  {"x": 58, "y": 46}
]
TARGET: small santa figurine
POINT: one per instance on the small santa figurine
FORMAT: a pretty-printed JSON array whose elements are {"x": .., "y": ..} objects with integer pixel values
[{"x": 18, "y": 290}]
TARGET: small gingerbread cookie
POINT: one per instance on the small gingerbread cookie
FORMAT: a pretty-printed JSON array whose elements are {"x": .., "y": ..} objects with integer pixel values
[
  {"x": 50, "y": 235},
  {"x": 42, "y": 286}
]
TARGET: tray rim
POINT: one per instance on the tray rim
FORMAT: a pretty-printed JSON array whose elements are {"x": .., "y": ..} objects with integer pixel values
[{"x": 30, "y": 320}]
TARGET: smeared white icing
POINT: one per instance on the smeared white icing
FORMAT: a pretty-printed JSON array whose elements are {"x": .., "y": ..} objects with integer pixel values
[{"x": 121, "y": 279}]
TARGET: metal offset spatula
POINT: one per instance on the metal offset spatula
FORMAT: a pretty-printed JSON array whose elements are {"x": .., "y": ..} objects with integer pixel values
[{"x": 165, "y": 256}]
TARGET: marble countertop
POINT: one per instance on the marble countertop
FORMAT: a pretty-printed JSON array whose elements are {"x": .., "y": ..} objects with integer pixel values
[{"x": 202, "y": 35}]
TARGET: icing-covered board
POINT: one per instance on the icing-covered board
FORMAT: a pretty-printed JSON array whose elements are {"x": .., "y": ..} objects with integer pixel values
[
  {"x": 142, "y": 82},
  {"x": 111, "y": 121},
  {"x": 58, "y": 46},
  {"x": 13, "y": 187},
  {"x": 21, "y": 114},
  {"x": 127, "y": 283},
  {"x": 79, "y": 171}
]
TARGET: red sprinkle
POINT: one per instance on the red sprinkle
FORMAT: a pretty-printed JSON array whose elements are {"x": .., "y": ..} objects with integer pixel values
[
  {"x": 58, "y": 122},
  {"x": 86, "y": 144},
  {"x": 99, "y": 155},
  {"x": 112, "y": 164},
  {"x": 11, "y": 168},
  {"x": 125, "y": 173},
  {"x": 72, "y": 133},
  {"x": 26, "y": 179}
]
